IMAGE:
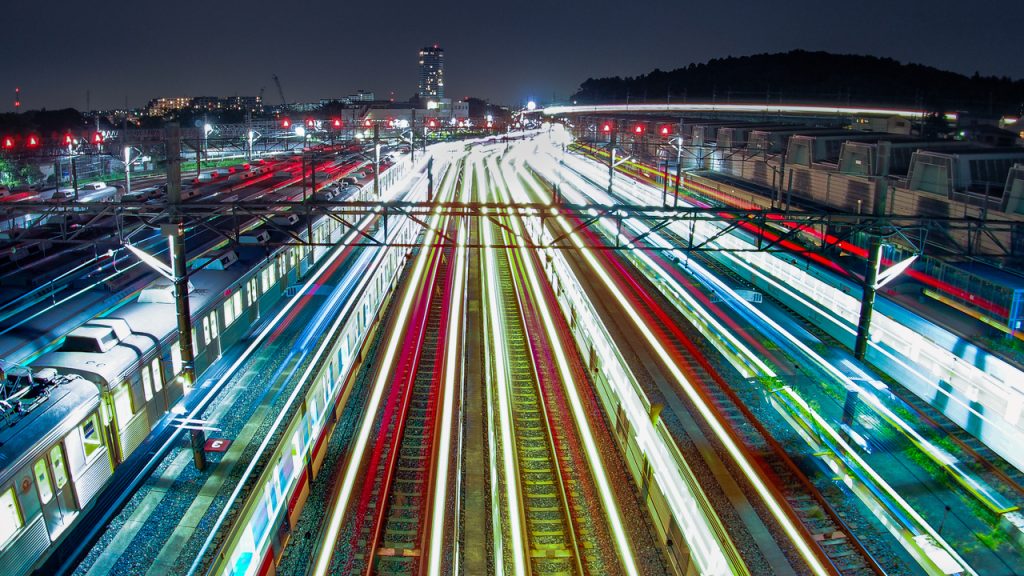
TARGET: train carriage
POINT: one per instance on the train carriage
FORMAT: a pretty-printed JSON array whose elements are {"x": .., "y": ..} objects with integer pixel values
[{"x": 55, "y": 460}]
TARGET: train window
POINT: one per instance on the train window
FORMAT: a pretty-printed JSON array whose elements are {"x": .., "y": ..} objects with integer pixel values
[
  {"x": 123, "y": 405},
  {"x": 285, "y": 469},
  {"x": 10, "y": 517},
  {"x": 60, "y": 470},
  {"x": 297, "y": 445},
  {"x": 252, "y": 294},
  {"x": 214, "y": 326},
  {"x": 147, "y": 385},
  {"x": 43, "y": 481},
  {"x": 268, "y": 278},
  {"x": 158, "y": 378},
  {"x": 91, "y": 439},
  {"x": 206, "y": 329},
  {"x": 229, "y": 312},
  {"x": 176, "y": 358}
]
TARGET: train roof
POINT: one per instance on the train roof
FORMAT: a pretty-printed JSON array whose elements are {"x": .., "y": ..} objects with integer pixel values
[
  {"x": 149, "y": 322},
  {"x": 68, "y": 403}
]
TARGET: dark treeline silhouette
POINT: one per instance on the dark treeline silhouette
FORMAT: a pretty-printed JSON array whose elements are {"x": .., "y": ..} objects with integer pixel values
[
  {"x": 43, "y": 122},
  {"x": 801, "y": 76}
]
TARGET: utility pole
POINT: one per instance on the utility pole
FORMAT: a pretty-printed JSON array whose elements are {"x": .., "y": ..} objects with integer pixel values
[
  {"x": 176, "y": 233},
  {"x": 74, "y": 176},
  {"x": 376, "y": 159},
  {"x": 412, "y": 138},
  {"x": 867, "y": 306},
  {"x": 248, "y": 134},
  {"x": 127, "y": 170},
  {"x": 312, "y": 194},
  {"x": 611, "y": 160},
  {"x": 430, "y": 180}
]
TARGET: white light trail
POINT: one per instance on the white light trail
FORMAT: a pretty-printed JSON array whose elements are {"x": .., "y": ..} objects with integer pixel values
[
  {"x": 337, "y": 512},
  {"x": 579, "y": 412}
]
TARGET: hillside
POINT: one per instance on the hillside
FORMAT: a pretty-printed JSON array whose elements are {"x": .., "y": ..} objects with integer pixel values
[{"x": 801, "y": 76}]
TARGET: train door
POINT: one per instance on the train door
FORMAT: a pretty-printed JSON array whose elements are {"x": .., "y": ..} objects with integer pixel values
[
  {"x": 211, "y": 336},
  {"x": 55, "y": 494}
]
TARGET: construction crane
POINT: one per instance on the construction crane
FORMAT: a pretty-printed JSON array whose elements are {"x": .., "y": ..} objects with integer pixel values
[{"x": 280, "y": 92}]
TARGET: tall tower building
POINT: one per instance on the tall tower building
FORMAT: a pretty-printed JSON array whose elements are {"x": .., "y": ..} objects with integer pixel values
[{"x": 431, "y": 84}]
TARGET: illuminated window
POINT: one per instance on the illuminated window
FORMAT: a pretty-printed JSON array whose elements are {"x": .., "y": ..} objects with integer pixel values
[
  {"x": 158, "y": 378},
  {"x": 176, "y": 358},
  {"x": 43, "y": 481},
  {"x": 60, "y": 470},
  {"x": 147, "y": 385},
  {"x": 91, "y": 439},
  {"x": 123, "y": 405},
  {"x": 10, "y": 517}
]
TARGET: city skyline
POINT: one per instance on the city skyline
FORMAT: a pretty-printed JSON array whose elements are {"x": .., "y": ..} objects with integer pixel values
[{"x": 506, "y": 60}]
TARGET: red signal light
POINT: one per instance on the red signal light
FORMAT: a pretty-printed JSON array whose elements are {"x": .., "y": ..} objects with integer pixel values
[
  {"x": 336, "y": 123},
  {"x": 286, "y": 123},
  {"x": 639, "y": 129},
  {"x": 606, "y": 128},
  {"x": 8, "y": 142},
  {"x": 310, "y": 122},
  {"x": 368, "y": 123},
  {"x": 665, "y": 130},
  {"x": 33, "y": 141},
  {"x": 68, "y": 140},
  {"x": 432, "y": 123},
  {"x": 97, "y": 138}
]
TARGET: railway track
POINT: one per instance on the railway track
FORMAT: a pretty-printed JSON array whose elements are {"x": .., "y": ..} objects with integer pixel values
[
  {"x": 398, "y": 537},
  {"x": 824, "y": 528},
  {"x": 385, "y": 530},
  {"x": 983, "y": 459},
  {"x": 547, "y": 498}
]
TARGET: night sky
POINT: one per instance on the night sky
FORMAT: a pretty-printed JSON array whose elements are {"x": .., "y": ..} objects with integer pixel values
[{"x": 57, "y": 50}]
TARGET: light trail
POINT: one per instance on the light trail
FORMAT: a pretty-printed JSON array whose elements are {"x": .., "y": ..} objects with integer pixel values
[
  {"x": 502, "y": 378},
  {"x": 340, "y": 505},
  {"x": 934, "y": 452},
  {"x": 752, "y": 108},
  {"x": 600, "y": 475},
  {"x": 267, "y": 330},
  {"x": 451, "y": 373},
  {"x": 707, "y": 414}
]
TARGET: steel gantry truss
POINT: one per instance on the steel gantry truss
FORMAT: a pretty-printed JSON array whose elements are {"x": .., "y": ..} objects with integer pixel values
[{"x": 75, "y": 219}]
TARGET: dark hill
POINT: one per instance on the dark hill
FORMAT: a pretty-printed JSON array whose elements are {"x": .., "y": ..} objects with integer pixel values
[{"x": 801, "y": 76}]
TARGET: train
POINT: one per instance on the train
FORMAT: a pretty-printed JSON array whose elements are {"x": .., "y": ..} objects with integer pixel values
[{"x": 73, "y": 416}]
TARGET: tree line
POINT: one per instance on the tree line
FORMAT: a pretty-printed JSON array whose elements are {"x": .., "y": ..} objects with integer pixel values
[{"x": 818, "y": 77}]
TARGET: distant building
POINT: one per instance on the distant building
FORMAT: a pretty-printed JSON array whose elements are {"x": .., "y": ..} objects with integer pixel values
[
  {"x": 361, "y": 96},
  {"x": 165, "y": 106},
  {"x": 431, "y": 84}
]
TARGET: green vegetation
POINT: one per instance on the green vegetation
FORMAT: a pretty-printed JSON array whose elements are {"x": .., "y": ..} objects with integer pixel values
[{"x": 15, "y": 174}]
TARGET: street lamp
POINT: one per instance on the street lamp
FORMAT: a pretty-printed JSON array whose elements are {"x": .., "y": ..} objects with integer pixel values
[{"x": 207, "y": 130}]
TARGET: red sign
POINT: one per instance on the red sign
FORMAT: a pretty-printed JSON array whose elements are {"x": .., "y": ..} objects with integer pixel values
[{"x": 217, "y": 445}]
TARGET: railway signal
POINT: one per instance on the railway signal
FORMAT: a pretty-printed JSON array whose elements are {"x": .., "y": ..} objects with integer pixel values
[
  {"x": 33, "y": 141},
  {"x": 286, "y": 123},
  {"x": 336, "y": 123},
  {"x": 97, "y": 138},
  {"x": 606, "y": 128},
  {"x": 8, "y": 143},
  {"x": 638, "y": 129},
  {"x": 69, "y": 139}
]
